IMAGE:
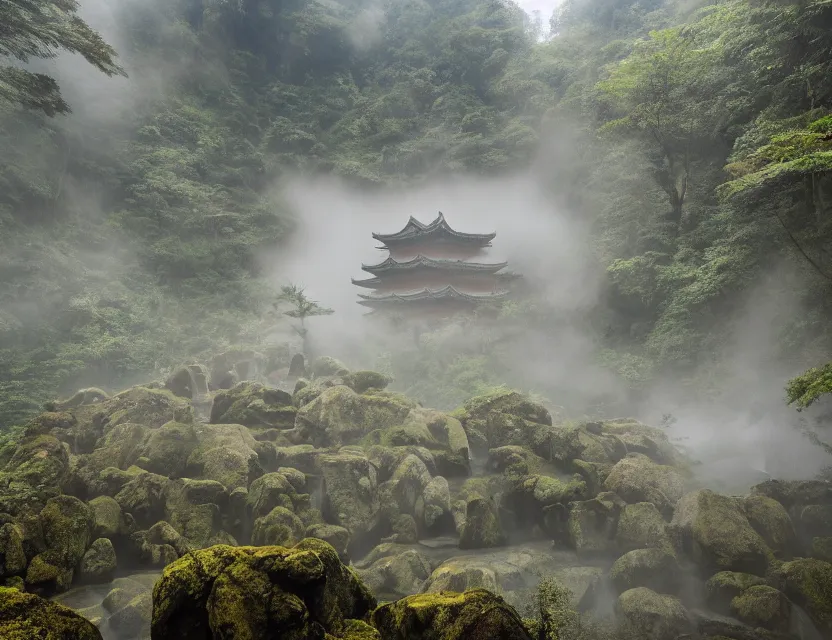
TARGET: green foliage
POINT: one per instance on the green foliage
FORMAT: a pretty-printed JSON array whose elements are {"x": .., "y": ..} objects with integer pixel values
[
  {"x": 805, "y": 389},
  {"x": 39, "y": 29}
]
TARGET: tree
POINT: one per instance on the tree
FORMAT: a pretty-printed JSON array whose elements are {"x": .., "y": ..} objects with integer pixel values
[
  {"x": 39, "y": 29},
  {"x": 302, "y": 308},
  {"x": 655, "y": 86}
]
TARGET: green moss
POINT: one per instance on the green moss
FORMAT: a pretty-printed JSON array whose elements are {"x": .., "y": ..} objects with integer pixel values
[
  {"x": 641, "y": 526},
  {"x": 636, "y": 478},
  {"x": 771, "y": 520},
  {"x": 255, "y": 406},
  {"x": 279, "y": 527},
  {"x": 39, "y": 460},
  {"x": 328, "y": 366},
  {"x": 714, "y": 532},
  {"x": 99, "y": 562},
  {"x": 723, "y": 587},
  {"x": 482, "y": 526},
  {"x": 362, "y": 381},
  {"x": 12, "y": 555},
  {"x": 502, "y": 400},
  {"x": 808, "y": 582},
  {"x": 652, "y": 615},
  {"x": 473, "y": 615},
  {"x": 763, "y": 606},
  {"x": 24, "y": 616},
  {"x": 655, "y": 569},
  {"x": 822, "y": 548}
]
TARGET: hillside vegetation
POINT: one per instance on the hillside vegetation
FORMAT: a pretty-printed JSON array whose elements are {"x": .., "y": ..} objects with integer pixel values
[{"x": 696, "y": 138}]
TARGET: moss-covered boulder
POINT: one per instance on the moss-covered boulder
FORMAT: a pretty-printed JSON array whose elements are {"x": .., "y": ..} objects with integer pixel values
[
  {"x": 39, "y": 461},
  {"x": 653, "y": 615},
  {"x": 763, "y": 606},
  {"x": 133, "y": 619},
  {"x": 592, "y": 525},
  {"x": 473, "y": 615},
  {"x": 24, "y": 616},
  {"x": 269, "y": 491},
  {"x": 349, "y": 490},
  {"x": 808, "y": 583},
  {"x": 279, "y": 527},
  {"x": 338, "y": 537},
  {"x": 166, "y": 450},
  {"x": 363, "y": 381},
  {"x": 506, "y": 401},
  {"x": 227, "y": 453},
  {"x": 107, "y": 517},
  {"x": 248, "y": 592},
  {"x": 340, "y": 416},
  {"x": 482, "y": 528},
  {"x": 822, "y": 548},
  {"x": 255, "y": 406},
  {"x": 433, "y": 508},
  {"x": 327, "y": 366},
  {"x": 637, "y": 478},
  {"x": 723, "y": 587},
  {"x": 150, "y": 408},
  {"x": 792, "y": 493},
  {"x": 99, "y": 562},
  {"x": 712, "y": 531},
  {"x": 12, "y": 554},
  {"x": 144, "y": 498},
  {"x": 66, "y": 525},
  {"x": 641, "y": 526},
  {"x": 654, "y": 568},
  {"x": 528, "y": 499},
  {"x": 770, "y": 519},
  {"x": 398, "y": 575}
]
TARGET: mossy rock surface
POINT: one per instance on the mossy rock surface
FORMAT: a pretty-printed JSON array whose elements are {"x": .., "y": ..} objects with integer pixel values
[
  {"x": 99, "y": 562},
  {"x": 723, "y": 587},
  {"x": 712, "y": 530},
  {"x": 245, "y": 592},
  {"x": 398, "y": 575},
  {"x": 482, "y": 527},
  {"x": 822, "y": 548},
  {"x": 637, "y": 478},
  {"x": 652, "y": 615},
  {"x": 24, "y": 616},
  {"x": 339, "y": 416},
  {"x": 279, "y": 527},
  {"x": 39, "y": 460},
  {"x": 505, "y": 401},
  {"x": 361, "y": 381},
  {"x": 641, "y": 526},
  {"x": 255, "y": 406},
  {"x": 770, "y": 519},
  {"x": 656, "y": 569},
  {"x": 327, "y": 366},
  {"x": 12, "y": 554},
  {"x": 592, "y": 525},
  {"x": 473, "y": 615},
  {"x": 763, "y": 606},
  {"x": 808, "y": 583}
]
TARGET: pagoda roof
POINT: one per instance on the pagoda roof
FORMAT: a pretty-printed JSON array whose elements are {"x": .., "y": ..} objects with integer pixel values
[
  {"x": 372, "y": 283},
  {"x": 415, "y": 230},
  {"x": 426, "y": 295},
  {"x": 421, "y": 262}
]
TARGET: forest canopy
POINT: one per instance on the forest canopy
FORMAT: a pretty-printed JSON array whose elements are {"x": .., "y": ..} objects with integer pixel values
[{"x": 700, "y": 152}]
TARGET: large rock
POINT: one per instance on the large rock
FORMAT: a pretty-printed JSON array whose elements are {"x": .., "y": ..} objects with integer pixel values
[
  {"x": 641, "y": 526},
  {"x": 349, "y": 492},
  {"x": 66, "y": 523},
  {"x": 449, "y": 616},
  {"x": 12, "y": 554},
  {"x": 340, "y": 416},
  {"x": 398, "y": 575},
  {"x": 808, "y": 583},
  {"x": 721, "y": 588},
  {"x": 712, "y": 530},
  {"x": 255, "y": 406},
  {"x": 652, "y": 615},
  {"x": 24, "y": 616},
  {"x": 248, "y": 592},
  {"x": 771, "y": 520},
  {"x": 592, "y": 525},
  {"x": 99, "y": 562},
  {"x": 763, "y": 606},
  {"x": 279, "y": 527},
  {"x": 655, "y": 569},
  {"x": 482, "y": 527},
  {"x": 641, "y": 438},
  {"x": 637, "y": 478}
]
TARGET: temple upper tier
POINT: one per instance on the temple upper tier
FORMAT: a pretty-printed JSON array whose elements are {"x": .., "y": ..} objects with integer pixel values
[{"x": 427, "y": 269}]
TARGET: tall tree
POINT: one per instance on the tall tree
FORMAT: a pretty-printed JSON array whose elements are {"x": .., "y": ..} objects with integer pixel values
[{"x": 41, "y": 29}]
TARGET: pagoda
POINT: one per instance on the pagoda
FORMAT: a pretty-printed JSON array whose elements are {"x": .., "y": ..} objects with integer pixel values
[{"x": 430, "y": 268}]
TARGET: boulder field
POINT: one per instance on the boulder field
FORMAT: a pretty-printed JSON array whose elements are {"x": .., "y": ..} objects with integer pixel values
[{"x": 345, "y": 510}]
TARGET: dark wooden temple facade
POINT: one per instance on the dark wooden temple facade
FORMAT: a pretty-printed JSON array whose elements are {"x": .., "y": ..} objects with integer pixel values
[{"x": 433, "y": 268}]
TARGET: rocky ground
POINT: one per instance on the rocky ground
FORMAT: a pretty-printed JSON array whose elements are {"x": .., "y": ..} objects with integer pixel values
[{"x": 342, "y": 510}]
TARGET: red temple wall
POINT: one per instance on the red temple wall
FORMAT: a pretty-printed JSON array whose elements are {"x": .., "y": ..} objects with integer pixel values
[{"x": 465, "y": 283}]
